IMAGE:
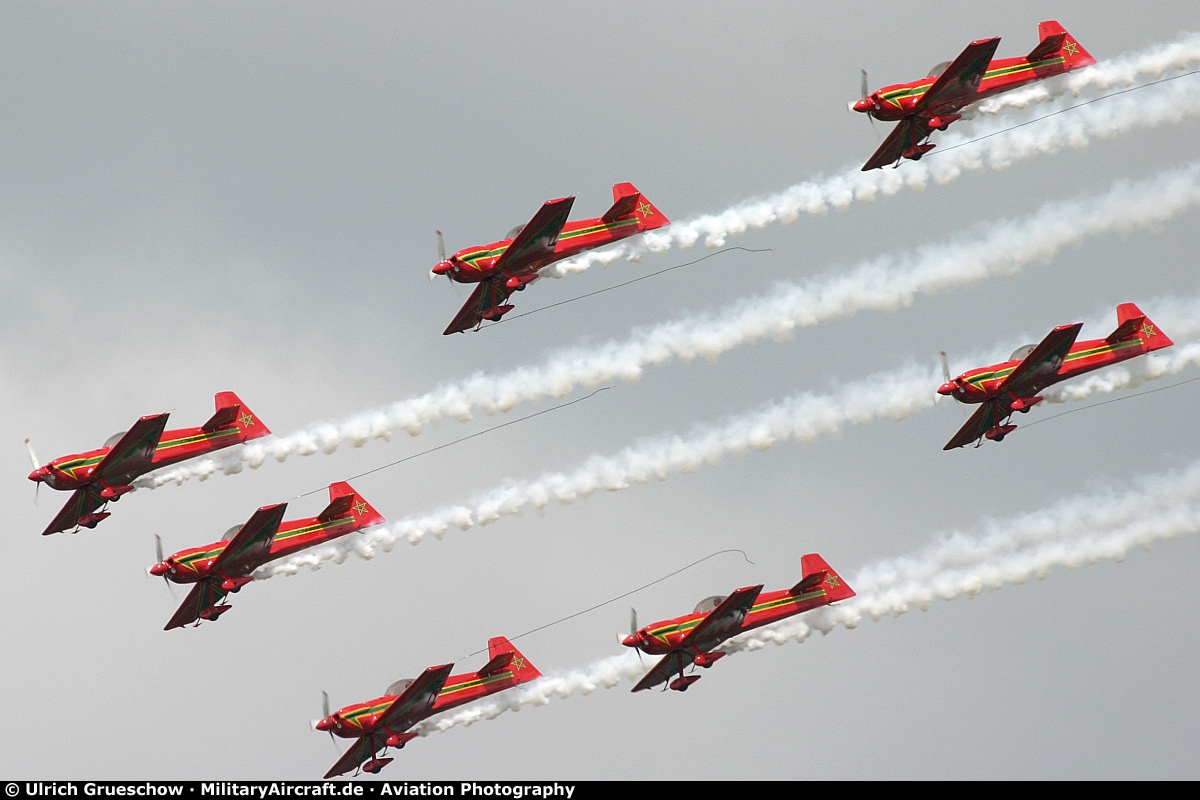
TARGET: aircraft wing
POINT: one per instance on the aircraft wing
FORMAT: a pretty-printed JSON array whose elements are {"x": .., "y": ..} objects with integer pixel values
[
  {"x": 132, "y": 455},
  {"x": 486, "y": 295},
  {"x": 204, "y": 595},
  {"x": 909, "y": 132},
  {"x": 961, "y": 79},
  {"x": 537, "y": 239},
  {"x": 723, "y": 621},
  {"x": 247, "y": 548},
  {"x": 84, "y": 501},
  {"x": 1045, "y": 359},
  {"x": 986, "y": 417},
  {"x": 668, "y": 666},
  {"x": 362, "y": 750},
  {"x": 414, "y": 703}
]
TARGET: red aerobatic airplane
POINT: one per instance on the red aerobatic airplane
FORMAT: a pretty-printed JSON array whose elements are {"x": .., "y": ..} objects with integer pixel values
[
  {"x": 1014, "y": 384},
  {"x": 509, "y": 265},
  {"x": 226, "y": 566},
  {"x": 692, "y": 639},
  {"x": 385, "y": 721},
  {"x": 99, "y": 476},
  {"x": 934, "y": 102}
]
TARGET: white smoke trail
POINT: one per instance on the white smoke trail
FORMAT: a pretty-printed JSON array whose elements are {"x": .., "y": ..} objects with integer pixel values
[
  {"x": 883, "y": 284},
  {"x": 971, "y": 148},
  {"x": 800, "y": 418},
  {"x": 1129, "y": 70},
  {"x": 1071, "y": 533}
]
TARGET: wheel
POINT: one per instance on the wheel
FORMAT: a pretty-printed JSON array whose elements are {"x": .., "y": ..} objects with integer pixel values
[{"x": 999, "y": 438}]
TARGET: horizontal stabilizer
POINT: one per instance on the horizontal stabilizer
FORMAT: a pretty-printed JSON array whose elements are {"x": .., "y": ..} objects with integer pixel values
[
  {"x": 1126, "y": 329},
  {"x": 497, "y": 664},
  {"x": 224, "y": 416},
  {"x": 1051, "y": 44},
  {"x": 625, "y": 200}
]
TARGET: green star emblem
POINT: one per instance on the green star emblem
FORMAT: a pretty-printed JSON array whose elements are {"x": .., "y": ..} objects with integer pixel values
[
  {"x": 645, "y": 209},
  {"x": 1148, "y": 329},
  {"x": 1071, "y": 48},
  {"x": 518, "y": 664},
  {"x": 831, "y": 579},
  {"x": 246, "y": 419},
  {"x": 360, "y": 507}
]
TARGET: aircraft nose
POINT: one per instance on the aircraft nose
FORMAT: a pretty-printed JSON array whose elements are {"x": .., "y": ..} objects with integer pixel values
[
  {"x": 324, "y": 724},
  {"x": 864, "y": 105},
  {"x": 442, "y": 268},
  {"x": 162, "y": 568},
  {"x": 40, "y": 474},
  {"x": 632, "y": 640},
  {"x": 947, "y": 388}
]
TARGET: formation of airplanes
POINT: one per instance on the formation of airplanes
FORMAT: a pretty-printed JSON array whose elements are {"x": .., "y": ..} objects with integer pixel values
[{"x": 498, "y": 269}]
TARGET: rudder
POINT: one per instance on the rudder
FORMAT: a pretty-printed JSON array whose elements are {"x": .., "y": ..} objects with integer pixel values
[
  {"x": 818, "y": 573},
  {"x": 629, "y": 202},
  {"x": 343, "y": 498},
  {"x": 1132, "y": 322},
  {"x": 1074, "y": 55},
  {"x": 230, "y": 406},
  {"x": 522, "y": 668}
]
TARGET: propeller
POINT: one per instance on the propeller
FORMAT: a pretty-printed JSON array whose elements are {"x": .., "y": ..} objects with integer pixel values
[
  {"x": 36, "y": 466},
  {"x": 937, "y": 396},
  {"x": 325, "y": 715},
  {"x": 158, "y": 554},
  {"x": 441, "y": 256},
  {"x": 633, "y": 628},
  {"x": 866, "y": 92}
]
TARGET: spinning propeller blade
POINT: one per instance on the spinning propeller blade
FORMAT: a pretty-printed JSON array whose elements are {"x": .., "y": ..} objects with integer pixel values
[
  {"x": 325, "y": 715},
  {"x": 33, "y": 459},
  {"x": 633, "y": 628},
  {"x": 441, "y": 256},
  {"x": 158, "y": 554},
  {"x": 865, "y": 93},
  {"x": 32, "y": 455}
]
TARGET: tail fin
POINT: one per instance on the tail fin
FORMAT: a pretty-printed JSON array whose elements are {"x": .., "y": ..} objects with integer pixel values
[
  {"x": 505, "y": 655},
  {"x": 816, "y": 573},
  {"x": 1132, "y": 323},
  {"x": 629, "y": 202},
  {"x": 1074, "y": 56},
  {"x": 232, "y": 411},
  {"x": 342, "y": 499}
]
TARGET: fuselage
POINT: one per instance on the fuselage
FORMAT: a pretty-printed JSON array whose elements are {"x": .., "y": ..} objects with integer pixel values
[
  {"x": 362, "y": 719},
  {"x": 196, "y": 564},
  {"x": 73, "y": 471},
  {"x": 668, "y": 635},
  {"x": 475, "y": 264},
  {"x": 892, "y": 103},
  {"x": 980, "y": 385}
]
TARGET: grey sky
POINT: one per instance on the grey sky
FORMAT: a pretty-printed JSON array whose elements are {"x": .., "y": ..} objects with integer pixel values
[{"x": 207, "y": 197}]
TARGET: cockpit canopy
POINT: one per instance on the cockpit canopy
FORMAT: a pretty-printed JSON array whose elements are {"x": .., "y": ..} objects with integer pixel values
[
  {"x": 937, "y": 71},
  {"x": 399, "y": 686},
  {"x": 709, "y": 604},
  {"x": 1021, "y": 352}
]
